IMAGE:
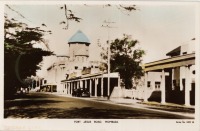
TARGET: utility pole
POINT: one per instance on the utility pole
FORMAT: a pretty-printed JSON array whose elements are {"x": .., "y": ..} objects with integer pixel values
[{"x": 107, "y": 25}]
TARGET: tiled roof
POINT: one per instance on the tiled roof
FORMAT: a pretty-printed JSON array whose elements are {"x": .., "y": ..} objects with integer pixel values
[{"x": 79, "y": 37}]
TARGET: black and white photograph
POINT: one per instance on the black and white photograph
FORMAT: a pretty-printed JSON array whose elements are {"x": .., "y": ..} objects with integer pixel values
[{"x": 100, "y": 65}]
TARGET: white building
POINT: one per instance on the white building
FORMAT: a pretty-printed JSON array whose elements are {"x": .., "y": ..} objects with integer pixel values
[
  {"x": 76, "y": 71},
  {"x": 172, "y": 79}
]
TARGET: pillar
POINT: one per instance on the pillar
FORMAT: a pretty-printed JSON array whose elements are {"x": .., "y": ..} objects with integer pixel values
[
  {"x": 82, "y": 84},
  {"x": 77, "y": 84},
  {"x": 102, "y": 86},
  {"x": 85, "y": 84},
  {"x": 153, "y": 85},
  {"x": 181, "y": 84},
  {"x": 145, "y": 86},
  {"x": 66, "y": 88},
  {"x": 163, "y": 87},
  {"x": 91, "y": 87},
  {"x": 173, "y": 88},
  {"x": 187, "y": 85},
  {"x": 108, "y": 87},
  {"x": 118, "y": 80},
  {"x": 96, "y": 81},
  {"x": 71, "y": 87}
]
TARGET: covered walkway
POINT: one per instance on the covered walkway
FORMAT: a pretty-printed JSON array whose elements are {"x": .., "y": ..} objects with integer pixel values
[
  {"x": 96, "y": 84},
  {"x": 177, "y": 83}
]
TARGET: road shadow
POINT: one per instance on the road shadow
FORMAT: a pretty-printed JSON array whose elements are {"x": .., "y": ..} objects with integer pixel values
[
  {"x": 20, "y": 107},
  {"x": 85, "y": 113}
]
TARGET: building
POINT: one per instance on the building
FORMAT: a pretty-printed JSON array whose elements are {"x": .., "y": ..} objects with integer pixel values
[
  {"x": 173, "y": 79},
  {"x": 85, "y": 74},
  {"x": 56, "y": 72},
  {"x": 77, "y": 71}
]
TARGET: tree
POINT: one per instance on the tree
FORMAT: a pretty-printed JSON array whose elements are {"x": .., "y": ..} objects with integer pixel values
[
  {"x": 21, "y": 58},
  {"x": 70, "y": 15},
  {"x": 126, "y": 59}
]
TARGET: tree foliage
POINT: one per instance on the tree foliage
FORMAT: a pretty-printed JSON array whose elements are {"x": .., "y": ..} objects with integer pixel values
[
  {"x": 70, "y": 15},
  {"x": 126, "y": 59},
  {"x": 21, "y": 58}
]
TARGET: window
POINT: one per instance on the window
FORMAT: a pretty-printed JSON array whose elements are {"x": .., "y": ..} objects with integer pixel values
[
  {"x": 76, "y": 67},
  {"x": 148, "y": 83},
  {"x": 82, "y": 59},
  {"x": 157, "y": 85}
]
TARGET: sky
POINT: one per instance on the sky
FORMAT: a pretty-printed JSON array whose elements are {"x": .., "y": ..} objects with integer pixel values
[{"x": 159, "y": 28}]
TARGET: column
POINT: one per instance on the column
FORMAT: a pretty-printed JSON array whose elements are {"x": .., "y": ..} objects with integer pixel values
[
  {"x": 85, "y": 84},
  {"x": 66, "y": 88},
  {"x": 173, "y": 88},
  {"x": 77, "y": 84},
  {"x": 102, "y": 86},
  {"x": 108, "y": 86},
  {"x": 81, "y": 83},
  {"x": 118, "y": 80},
  {"x": 96, "y": 81},
  {"x": 153, "y": 85},
  {"x": 91, "y": 87},
  {"x": 187, "y": 86},
  {"x": 145, "y": 86},
  {"x": 71, "y": 87},
  {"x": 181, "y": 84},
  {"x": 163, "y": 87}
]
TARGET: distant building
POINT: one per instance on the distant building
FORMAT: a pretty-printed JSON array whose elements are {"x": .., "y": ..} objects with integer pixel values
[
  {"x": 56, "y": 71},
  {"x": 173, "y": 79}
]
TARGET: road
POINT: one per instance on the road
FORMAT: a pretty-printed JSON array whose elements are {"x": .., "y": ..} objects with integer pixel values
[{"x": 41, "y": 105}]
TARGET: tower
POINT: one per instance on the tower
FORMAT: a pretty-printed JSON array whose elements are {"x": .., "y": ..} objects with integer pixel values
[{"x": 79, "y": 47}]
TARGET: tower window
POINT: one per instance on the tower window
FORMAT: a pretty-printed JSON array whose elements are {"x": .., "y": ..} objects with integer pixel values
[
  {"x": 148, "y": 83},
  {"x": 83, "y": 59}
]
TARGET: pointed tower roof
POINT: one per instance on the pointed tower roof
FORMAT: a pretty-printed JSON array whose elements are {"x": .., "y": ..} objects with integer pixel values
[{"x": 79, "y": 37}]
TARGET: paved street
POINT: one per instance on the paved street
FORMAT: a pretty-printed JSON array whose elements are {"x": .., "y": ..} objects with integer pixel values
[{"x": 41, "y": 105}]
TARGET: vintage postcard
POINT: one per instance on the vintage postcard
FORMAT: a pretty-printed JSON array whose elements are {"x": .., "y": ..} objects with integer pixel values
[{"x": 100, "y": 65}]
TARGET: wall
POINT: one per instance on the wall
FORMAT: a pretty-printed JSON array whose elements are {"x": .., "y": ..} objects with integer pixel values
[{"x": 78, "y": 49}]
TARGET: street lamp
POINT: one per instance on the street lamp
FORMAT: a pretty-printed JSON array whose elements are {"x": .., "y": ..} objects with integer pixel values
[{"x": 107, "y": 25}]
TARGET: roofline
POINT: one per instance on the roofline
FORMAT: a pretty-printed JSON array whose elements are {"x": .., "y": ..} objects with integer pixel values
[
  {"x": 62, "y": 56},
  {"x": 86, "y": 76},
  {"x": 78, "y": 42},
  {"x": 171, "y": 59}
]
